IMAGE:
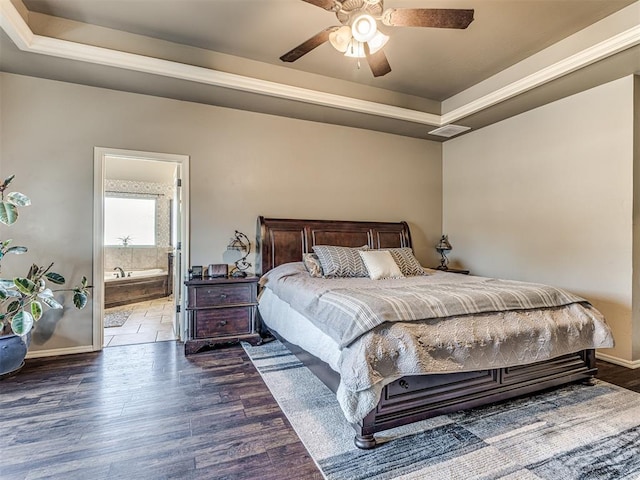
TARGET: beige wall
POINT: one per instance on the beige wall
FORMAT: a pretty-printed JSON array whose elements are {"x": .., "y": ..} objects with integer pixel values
[
  {"x": 242, "y": 165},
  {"x": 547, "y": 196}
]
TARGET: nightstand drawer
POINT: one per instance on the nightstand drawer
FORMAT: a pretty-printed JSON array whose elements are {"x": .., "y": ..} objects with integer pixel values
[
  {"x": 223, "y": 322},
  {"x": 214, "y": 295}
]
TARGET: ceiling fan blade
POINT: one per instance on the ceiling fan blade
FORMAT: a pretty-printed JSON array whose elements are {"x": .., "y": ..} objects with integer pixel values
[
  {"x": 331, "y": 5},
  {"x": 377, "y": 62},
  {"x": 427, "y": 17},
  {"x": 305, "y": 47}
]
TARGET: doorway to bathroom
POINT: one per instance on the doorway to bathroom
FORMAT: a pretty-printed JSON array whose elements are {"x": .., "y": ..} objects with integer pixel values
[{"x": 140, "y": 234}]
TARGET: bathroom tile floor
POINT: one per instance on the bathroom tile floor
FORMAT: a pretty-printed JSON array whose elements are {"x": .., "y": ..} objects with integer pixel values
[{"x": 150, "y": 321}]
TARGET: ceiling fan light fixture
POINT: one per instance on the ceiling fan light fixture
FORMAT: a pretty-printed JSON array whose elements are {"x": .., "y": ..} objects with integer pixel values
[
  {"x": 340, "y": 38},
  {"x": 364, "y": 27},
  {"x": 355, "y": 49},
  {"x": 378, "y": 41}
]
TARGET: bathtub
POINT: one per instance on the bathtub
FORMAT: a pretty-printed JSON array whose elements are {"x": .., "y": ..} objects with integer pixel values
[
  {"x": 113, "y": 276},
  {"x": 136, "y": 286}
]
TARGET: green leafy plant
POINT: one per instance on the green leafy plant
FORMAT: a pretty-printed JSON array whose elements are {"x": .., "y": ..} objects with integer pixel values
[{"x": 23, "y": 299}]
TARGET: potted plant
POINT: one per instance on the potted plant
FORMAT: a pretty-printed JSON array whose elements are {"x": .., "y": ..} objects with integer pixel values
[
  {"x": 23, "y": 299},
  {"x": 125, "y": 240}
]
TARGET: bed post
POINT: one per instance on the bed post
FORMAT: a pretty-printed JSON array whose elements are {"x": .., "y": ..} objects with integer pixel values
[
  {"x": 260, "y": 233},
  {"x": 365, "y": 442}
]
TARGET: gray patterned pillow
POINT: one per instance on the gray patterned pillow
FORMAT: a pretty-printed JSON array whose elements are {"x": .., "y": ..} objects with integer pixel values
[
  {"x": 341, "y": 261},
  {"x": 312, "y": 264},
  {"x": 406, "y": 260}
]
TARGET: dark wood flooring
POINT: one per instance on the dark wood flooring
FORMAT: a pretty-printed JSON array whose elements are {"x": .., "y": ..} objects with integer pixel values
[
  {"x": 624, "y": 377},
  {"x": 147, "y": 412}
]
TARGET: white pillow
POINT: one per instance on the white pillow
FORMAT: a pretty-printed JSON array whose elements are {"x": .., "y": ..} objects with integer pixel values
[{"x": 380, "y": 264}]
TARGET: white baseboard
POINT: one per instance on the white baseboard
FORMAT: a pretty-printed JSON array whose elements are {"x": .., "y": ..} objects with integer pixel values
[
  {"x": 59, "y": 351},
  {"x": 618, "y": 361},
  {"x": 89, "y": 348}
]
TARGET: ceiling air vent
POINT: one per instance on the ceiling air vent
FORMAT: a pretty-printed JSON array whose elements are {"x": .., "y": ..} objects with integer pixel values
[{"x": 449, "y": 130}]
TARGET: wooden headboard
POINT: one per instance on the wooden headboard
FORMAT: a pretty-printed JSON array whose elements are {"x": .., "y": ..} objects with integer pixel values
[{"x": 284, "y": 240}]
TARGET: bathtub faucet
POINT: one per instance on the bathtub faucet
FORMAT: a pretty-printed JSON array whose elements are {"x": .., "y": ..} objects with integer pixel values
[{"x": 122, "y": 275}]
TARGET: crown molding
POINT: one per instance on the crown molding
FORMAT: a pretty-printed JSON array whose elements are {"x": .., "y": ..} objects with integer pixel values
[
  {"x": 14, "y": 26},
  {"x": 141, "y": 63},
  {"x": 26, "y": 40},
  {"x": 20, "y": 33},
  {"x": 593, "y": 54}
]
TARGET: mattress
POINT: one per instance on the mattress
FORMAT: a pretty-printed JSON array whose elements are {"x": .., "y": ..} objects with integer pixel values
[{"x": 297, "y": 329}]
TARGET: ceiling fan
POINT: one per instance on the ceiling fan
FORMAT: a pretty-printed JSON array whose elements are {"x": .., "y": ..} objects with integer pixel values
[{"x": 359, "y": 35}]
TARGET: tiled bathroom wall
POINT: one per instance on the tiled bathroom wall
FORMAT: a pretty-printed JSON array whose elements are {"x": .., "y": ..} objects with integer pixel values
[{"x": 135, "y": 258}]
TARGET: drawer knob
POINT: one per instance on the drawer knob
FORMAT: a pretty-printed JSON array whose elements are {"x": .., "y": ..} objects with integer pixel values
[
  {"x": 404, "y": 384},
  {"x": 223, "y": 323}
]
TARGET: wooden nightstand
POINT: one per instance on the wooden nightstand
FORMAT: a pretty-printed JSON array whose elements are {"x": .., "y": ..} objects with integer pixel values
[
  {"x": 221, "y": 310},
  {"x": 454, "y": 270}
]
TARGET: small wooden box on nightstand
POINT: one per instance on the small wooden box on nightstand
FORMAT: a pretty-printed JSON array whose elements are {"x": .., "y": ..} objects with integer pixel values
[{"x": 221, "y": 310}]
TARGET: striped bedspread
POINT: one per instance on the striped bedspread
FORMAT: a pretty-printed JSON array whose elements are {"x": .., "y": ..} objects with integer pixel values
[
  {"x": 353, "y": 312},
  {"x": 345, "y": 309}
]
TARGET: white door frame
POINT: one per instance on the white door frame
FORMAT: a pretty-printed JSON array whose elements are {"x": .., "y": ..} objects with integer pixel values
[{"x": 100, "y": 153}]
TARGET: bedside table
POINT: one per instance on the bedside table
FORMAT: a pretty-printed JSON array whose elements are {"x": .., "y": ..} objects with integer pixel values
[
  {"x": 454, "y": 270},
  {"x": 221, "y": 310}
]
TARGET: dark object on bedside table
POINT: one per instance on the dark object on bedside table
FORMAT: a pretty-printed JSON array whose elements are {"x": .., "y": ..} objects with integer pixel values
[
  {"x": 412, "y": 398},
  {"x": 195, "y": 271},
  {"x": 453, "y": 270},
  {"x": 217, "y": 270},
  {"x": 443, "y": 247},
  {"x": 221, "y": 310}
]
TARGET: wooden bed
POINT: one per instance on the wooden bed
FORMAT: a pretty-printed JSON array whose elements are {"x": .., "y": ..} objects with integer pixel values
[{"x": 411, "y": 398}]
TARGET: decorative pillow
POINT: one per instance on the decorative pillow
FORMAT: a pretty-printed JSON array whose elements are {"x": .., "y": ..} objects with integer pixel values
[
  {"x": 312, "y": 264},
  {"x": 341, "y": 261},
  {"x": 406, "y": 260},
  {"x": 380, "y": 264}
]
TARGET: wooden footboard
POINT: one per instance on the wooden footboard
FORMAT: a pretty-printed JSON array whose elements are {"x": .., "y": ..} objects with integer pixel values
[{"x": 414, "y": 398}]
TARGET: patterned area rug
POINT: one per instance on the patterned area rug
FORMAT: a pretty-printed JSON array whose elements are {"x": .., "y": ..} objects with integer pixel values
[
  {"x": 574, "y": 432},
  {"x": 117, "y": 318}
]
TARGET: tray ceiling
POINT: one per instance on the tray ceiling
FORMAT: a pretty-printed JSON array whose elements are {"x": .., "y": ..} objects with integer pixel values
[{"x": 437, "y": 74}]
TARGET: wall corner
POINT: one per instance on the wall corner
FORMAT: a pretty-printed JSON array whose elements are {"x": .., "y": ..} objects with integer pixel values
[{"x": 635, "y": 318}]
